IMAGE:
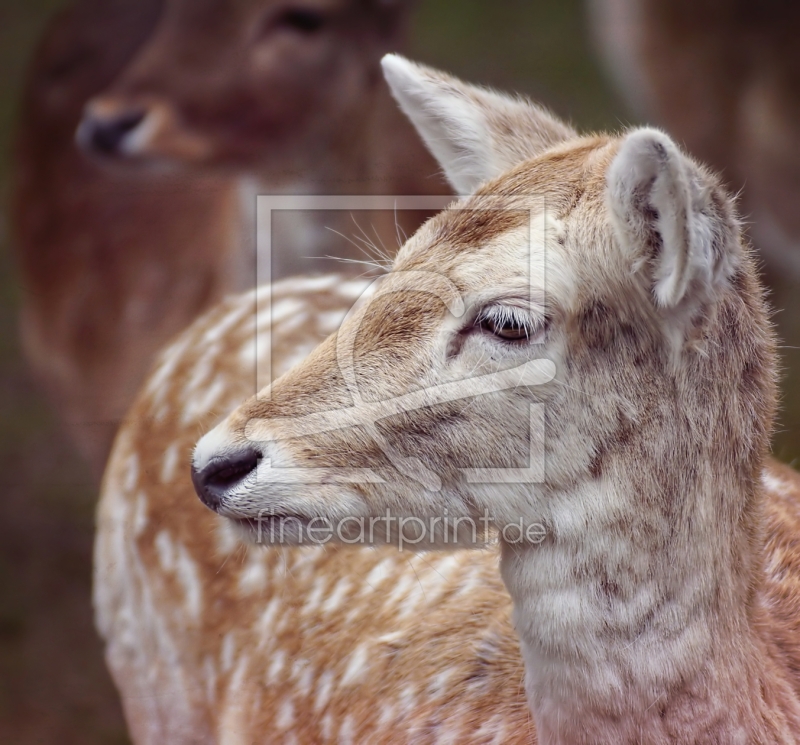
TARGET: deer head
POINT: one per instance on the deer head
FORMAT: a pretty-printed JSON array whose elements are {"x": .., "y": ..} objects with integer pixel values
[
  {"x": 246, "y": 81},
  {"x": 601, "y": 277}
]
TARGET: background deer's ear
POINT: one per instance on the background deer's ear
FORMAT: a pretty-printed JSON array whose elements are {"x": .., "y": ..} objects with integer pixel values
[
  {"x": 663, "y": 210},
  {"x": 474, "y": 133}
]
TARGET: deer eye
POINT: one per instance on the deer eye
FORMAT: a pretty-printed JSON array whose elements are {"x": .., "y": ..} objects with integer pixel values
[
  {"x": 303, "y": 20},
  {"x": 508, "y": 324}
]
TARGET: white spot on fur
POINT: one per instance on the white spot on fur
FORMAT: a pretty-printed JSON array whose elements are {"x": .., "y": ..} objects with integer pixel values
[
  {"x": 283, "y": 309},
  {"x": 314, "y": 597},
  {"x": 772, "y": 483},
  {"x": 201, "y": 372},
  {"x": 165, "y": 550},
  {"x": 415, "y": 596},
  {"x": 330, "y": 321},
  {"x": 303, "y": 675},
  {"x": 216, "y": 332},
  {"x": 315, "y": 284},
  {"x": 227, "y": 540},
  {"x": 470, "y": 581},
  {"x": 447, "y": 566},
  {"x": 391, "y": 638},
  {"x": 438, "y": 685},
  {"x": 347, "y": 731},
  {"x": 189, "y": 576},
  {"x": 306, "y": 562},
  {"x": 157, "y": 385},
  {"x": 356, "y": 667},
  {"x": 169, "y": 463},
  {"x": 324, "y": 690},
  {"x": 232, "y": 723},
  {"x": 378, "y": 574},
  {"x": 176, "y": 559},
  {"x": 447, "y": 735},
  {"x": 336, "y": 598},
  {"x": 326, "y": 725},
  {"x": 227, "y": 652},
  {"x": 247, "y": 355},
  {"x": 292, "y": 323},
  {"x": 402, "y": 587},
  {"x": 352, "y": 288},
  {"x": 267, "y": 621},
  {"x": 210, "y": 672},
  {"x": 387, "y": 715},
  {"x": 276, "y": 666},
  {"x": 253, "y": 577},
  {"x": 131, "y": 473},
  {"x": 408, "y": 699},
  {"x": 140, "y": 516},
  {"x": 204, "y": 402},
  {"x": 494, "y": 728},
  {"x": 285, "y": 715}
]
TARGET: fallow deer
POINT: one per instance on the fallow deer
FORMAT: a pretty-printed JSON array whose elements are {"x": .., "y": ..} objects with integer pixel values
[
  {"x": 657, "y": 600},
  {"x": 185, "y": 110}
]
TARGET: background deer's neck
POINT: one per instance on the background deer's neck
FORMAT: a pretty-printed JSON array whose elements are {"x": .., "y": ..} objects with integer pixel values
[{"x": 639, "y": 623}]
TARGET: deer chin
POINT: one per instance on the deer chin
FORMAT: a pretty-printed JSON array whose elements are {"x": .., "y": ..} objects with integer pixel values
[{"x": 272, "y": 530}]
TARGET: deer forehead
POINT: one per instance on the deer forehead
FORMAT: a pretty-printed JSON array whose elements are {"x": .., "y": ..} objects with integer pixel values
[{"x": 546, "y": 221}]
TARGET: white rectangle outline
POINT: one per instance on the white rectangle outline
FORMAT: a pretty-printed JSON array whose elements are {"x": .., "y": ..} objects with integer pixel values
[{"x": 266, "y": 204}]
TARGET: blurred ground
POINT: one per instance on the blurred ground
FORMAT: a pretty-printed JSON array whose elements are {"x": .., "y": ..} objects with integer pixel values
[{"x": 53, "y": 684}]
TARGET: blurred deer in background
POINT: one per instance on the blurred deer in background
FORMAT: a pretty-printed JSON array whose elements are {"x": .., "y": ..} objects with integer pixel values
[
  {"x": 724, "y": 77},
  {"x": 208, "y": 103}
]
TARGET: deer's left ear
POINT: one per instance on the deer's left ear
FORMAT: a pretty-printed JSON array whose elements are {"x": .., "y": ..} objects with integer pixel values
[
  {"x": 662, "y": 207},
  {"x": 474, "y": 133}
]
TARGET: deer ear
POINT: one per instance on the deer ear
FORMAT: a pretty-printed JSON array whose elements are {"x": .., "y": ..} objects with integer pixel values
[
  {"x": 474, "y": 133},
  {"x": 662, "y": 209}
]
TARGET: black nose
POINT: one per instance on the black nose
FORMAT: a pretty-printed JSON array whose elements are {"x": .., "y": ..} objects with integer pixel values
[
  {"x": 104, "y": 134},
  {"x": 213, "y": 481}
]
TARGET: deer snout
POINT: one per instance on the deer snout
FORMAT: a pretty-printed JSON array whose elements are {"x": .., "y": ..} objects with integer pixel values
[
  {"x": 140, "y": 127},
  {"x": 216, "y": 478},
  {"x": 112, "y": 128}
]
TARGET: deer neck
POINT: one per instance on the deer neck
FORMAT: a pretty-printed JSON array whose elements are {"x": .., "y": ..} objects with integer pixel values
[{"x": 639, "y": 628}]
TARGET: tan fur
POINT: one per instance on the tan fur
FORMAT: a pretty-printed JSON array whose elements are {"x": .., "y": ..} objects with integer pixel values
[
  {"x": 660, "y": 605},
  {"x": 116, "y": 257}
]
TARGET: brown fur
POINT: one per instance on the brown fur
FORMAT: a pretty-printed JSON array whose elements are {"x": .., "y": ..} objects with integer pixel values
[{"x": 724, "y": 78}]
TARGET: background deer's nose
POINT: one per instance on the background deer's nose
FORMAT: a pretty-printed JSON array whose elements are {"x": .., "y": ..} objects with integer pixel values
[
  {"x": 216, "y": 478},
  {"x": 104, "y": 133}
]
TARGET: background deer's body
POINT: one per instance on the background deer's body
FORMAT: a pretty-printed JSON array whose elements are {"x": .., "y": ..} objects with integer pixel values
[
  {"x": 724, "y": 79},
  {"x": 116, "y": 258},
  {"x": 210, "y": 641}
]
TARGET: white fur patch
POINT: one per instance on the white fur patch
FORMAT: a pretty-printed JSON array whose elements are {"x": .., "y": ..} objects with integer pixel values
[{"x": 356, "y": 667}]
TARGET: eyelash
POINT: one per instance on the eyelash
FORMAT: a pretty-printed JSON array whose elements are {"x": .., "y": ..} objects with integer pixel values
[{"x": 507, "y": 324}]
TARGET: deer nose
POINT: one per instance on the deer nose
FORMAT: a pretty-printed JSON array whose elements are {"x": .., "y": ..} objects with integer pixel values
[
  {"x": 215, "y": 479},
  {"x": 105, "y": 133}
]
